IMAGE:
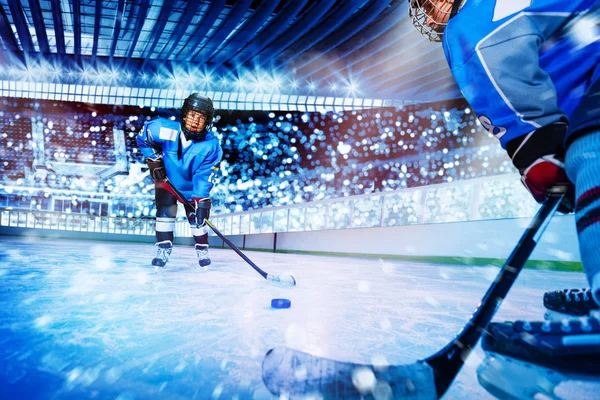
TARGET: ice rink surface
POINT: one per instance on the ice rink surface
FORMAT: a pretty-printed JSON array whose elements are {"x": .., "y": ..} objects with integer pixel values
[{"x": 81, "y": 319}]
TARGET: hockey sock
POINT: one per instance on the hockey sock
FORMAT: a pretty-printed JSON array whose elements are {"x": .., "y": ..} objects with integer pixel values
[
  {"x": 203, "y": 239},
  {"x": 164, "y": 229},
  {"x": 200, "y": 234},
  {"x": 583, "y": 168}
]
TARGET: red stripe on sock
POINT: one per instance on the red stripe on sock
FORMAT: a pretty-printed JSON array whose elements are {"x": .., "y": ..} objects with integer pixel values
[{"x": 586, "y": 196}]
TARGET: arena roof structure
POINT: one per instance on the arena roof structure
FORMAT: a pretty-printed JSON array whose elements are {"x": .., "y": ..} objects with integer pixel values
[{"x": 341, "y": 49}]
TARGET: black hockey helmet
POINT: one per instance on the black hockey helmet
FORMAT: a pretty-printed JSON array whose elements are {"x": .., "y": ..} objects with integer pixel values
[{"x": 202, "y": 104}]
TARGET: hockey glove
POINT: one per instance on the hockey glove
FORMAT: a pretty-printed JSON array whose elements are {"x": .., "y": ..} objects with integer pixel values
[
  {"x": 539, "y": 157},
  {"x": 202, "y": 211},
  {"x": 157, "y": 168}
]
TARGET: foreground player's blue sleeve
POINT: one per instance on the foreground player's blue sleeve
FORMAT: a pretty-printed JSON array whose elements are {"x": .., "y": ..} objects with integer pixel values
[
  {"x": 504, "y": 83},
  {"x": 522, "y": 65}
]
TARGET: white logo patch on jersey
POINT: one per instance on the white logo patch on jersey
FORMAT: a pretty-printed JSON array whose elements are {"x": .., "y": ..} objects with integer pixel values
[
  {"x": 167, "y": 134},
  {"x": 504, "y": 8}
]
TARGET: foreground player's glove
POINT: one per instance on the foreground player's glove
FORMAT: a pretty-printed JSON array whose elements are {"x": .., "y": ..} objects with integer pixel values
[
  {"x": 157, "y": 168},
  {"x": 539, "y": 157}
]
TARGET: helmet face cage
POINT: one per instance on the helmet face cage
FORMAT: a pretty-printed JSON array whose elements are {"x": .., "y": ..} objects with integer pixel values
[
  {"x": 429, "y": 19},
  {"x": 201, "y": 104}
]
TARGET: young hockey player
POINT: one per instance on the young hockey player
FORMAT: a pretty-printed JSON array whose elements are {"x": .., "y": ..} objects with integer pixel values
[
  {"x": 188, "y": 155},
  {"x": 530, "y": 69}
]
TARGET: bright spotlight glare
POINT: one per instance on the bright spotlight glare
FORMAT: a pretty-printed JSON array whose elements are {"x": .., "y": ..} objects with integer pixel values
[
  {"x": 238, "y": 83},
  {"x": 276, "y": 82},
  {"x": 44, "y": 69},
  {"x": 85, "y": 73},
  {"x": 260, "y": 83}
]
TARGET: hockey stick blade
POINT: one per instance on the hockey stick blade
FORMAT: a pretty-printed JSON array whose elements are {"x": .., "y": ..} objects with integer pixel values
[
  {"x": 281, "y": 280},
  {"x": 292, "y": 372},
  {"x": 288, "y": 372}
]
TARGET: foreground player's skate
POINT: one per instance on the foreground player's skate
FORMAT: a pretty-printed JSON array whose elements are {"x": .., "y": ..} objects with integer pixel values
[
  {"x": 202, "y": 253},
  {"x": 163, "y": 252},
  {"x": 568, "y": 303},
  {"x": 525, "y": 359}
]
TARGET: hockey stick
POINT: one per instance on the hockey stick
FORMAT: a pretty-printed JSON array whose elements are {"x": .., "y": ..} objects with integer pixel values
[
  {"x": 290, "y": 372},
  {"x": 277, "y": 280}
]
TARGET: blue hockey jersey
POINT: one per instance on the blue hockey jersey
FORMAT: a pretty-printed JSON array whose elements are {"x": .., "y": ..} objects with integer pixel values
[
  {"x": 523, "y": 64},
  {"x": 191, "y": 166}
]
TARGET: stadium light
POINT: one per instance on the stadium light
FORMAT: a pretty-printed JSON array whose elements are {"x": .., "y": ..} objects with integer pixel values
[
  {"x": 207, "y": 77},
  {"x": 260, "y": 83},
  {"x": 55, "y": 71},
  {"x": 277, "y": 82},
  {"x": 30, "y": 72},
  {"x": 238, "y": 83},
  {"x": 85, "y": 73},
  {"x": 352, "y": 87}
]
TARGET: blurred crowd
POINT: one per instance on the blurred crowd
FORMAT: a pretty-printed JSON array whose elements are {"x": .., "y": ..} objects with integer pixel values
[{"x": 270, "y": 158}]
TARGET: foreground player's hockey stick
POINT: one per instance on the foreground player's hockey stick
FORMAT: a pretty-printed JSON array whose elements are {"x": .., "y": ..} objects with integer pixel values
[
  {"x": 277, "y": 280},
  {"x": 290, "y": 372}
]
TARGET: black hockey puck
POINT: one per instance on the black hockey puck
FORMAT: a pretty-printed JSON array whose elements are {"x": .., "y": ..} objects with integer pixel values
[{"x": 281, "y": 303}]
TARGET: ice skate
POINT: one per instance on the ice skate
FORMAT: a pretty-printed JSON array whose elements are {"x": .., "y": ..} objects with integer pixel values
[
  {"x": 202, "y": 253},
  {"x": 540, "y": 357},
  {"x": 568, "y": 303},
  {"x": 163, "y": 252}
]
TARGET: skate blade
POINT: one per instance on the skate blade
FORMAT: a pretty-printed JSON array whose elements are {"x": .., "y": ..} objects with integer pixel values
[{"x": 509, "y": 378}]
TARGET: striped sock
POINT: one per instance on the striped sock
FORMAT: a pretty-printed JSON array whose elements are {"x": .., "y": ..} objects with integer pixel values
[
  {"x": 583, "y": 168},
  {"x": 164, "y": 229}
]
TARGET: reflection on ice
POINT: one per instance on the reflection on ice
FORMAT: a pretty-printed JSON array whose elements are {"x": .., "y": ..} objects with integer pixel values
[{"x": 81, "y": 319}]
